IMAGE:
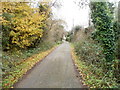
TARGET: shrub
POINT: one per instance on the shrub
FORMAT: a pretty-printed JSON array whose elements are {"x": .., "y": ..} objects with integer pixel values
[
  {"x": 93, "y": 66},
  {"x": 90, "y": 52}
]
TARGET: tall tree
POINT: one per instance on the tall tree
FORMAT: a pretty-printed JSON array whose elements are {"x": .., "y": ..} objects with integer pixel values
[{"x": 104, "y": 33}]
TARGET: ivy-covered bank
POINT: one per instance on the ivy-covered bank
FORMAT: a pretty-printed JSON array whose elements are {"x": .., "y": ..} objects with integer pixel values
[
  {"x": 107, "y": 32},
  {"x": 96, "y": 48},
  {"x": 93, "y": 75}
]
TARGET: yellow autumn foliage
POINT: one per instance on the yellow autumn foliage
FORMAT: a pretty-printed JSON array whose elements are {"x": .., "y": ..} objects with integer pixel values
[{"x": 26, "y": 24}]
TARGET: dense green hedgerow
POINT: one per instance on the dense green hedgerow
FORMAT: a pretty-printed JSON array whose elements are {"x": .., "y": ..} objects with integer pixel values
[{"x": 92, "y": 64}]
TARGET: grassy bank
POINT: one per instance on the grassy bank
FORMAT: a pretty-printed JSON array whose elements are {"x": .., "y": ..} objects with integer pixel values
[
  {"x": 16, "y": 64},
  {"x": 93, "y": 76}
]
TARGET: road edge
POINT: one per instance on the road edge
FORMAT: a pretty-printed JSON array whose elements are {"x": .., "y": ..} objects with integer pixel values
[{"x": 76, "y": 67}]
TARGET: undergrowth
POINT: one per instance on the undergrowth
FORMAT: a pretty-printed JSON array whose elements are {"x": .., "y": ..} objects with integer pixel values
[
  {"x": 17, "y": 62},
  {"x": 89, "y": 59}
]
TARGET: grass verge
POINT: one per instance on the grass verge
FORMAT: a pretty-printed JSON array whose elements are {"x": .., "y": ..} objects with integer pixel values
[
  {"x": 89, "y": 74},
  {"x": 80, "y": 65},
  {"x": 22, "y": 67}
]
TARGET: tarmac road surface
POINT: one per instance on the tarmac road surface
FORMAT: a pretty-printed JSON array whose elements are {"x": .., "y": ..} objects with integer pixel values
[{"x": 55, "y": 71}]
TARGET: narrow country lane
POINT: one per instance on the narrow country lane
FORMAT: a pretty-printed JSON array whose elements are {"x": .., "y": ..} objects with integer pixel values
[{"x": 55, "y": 71}]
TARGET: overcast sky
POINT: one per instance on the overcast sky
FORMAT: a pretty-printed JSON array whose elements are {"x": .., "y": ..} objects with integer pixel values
[{"x": 71, "y": 13}]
